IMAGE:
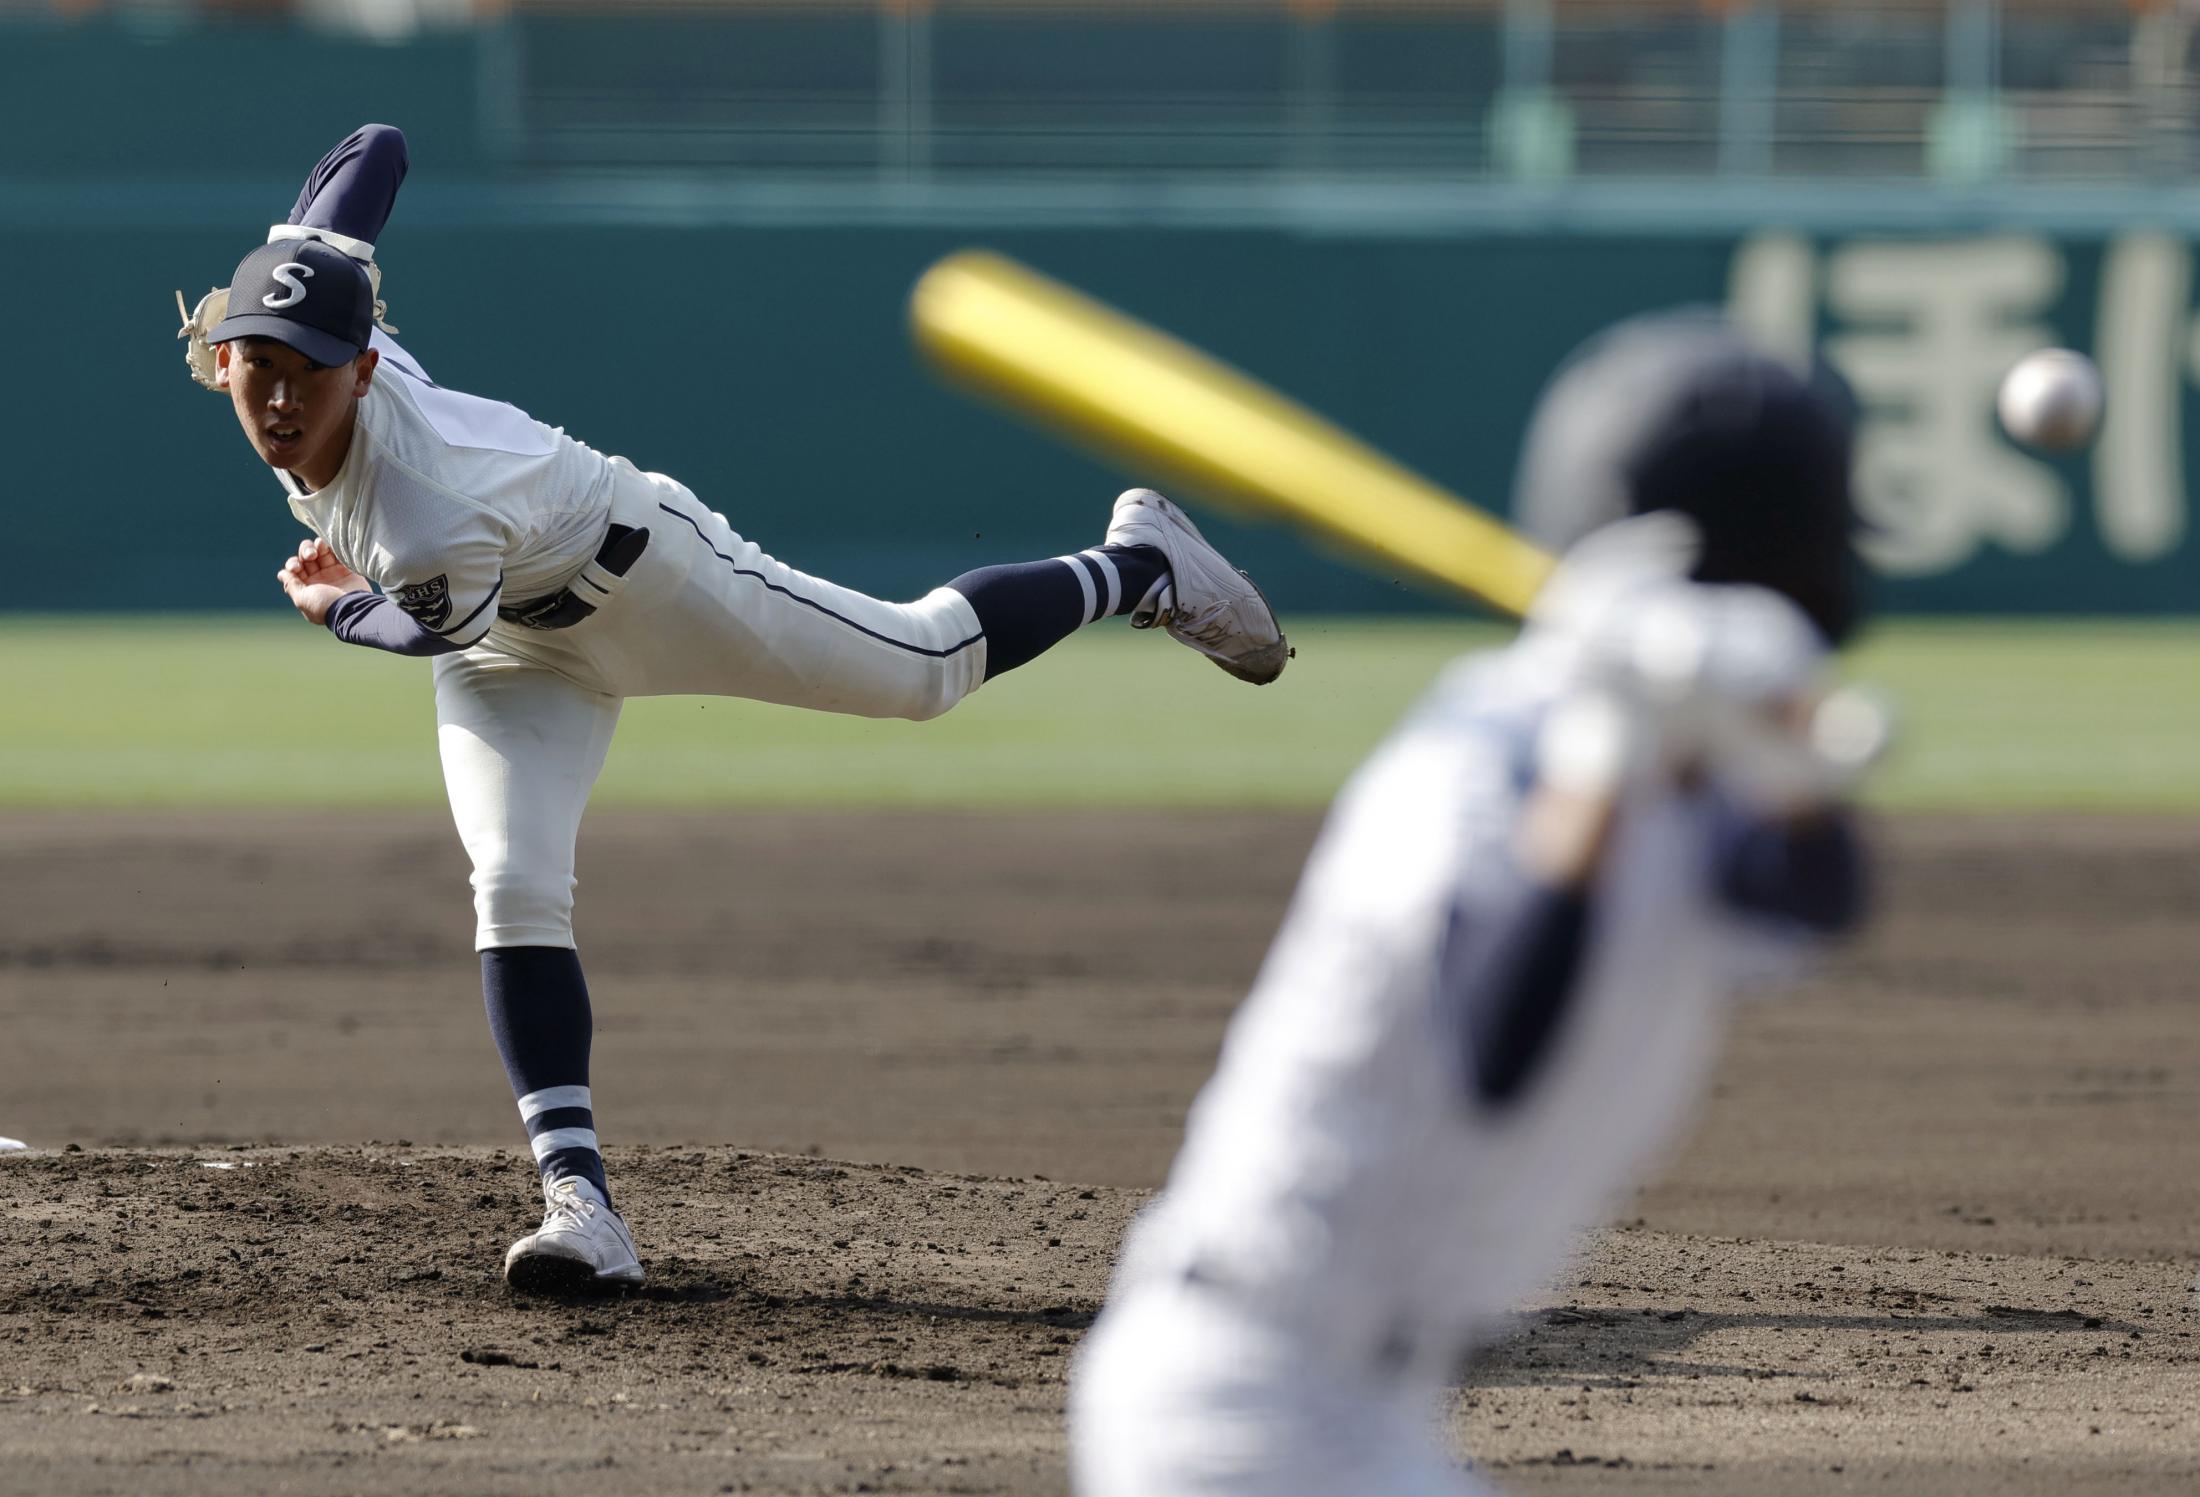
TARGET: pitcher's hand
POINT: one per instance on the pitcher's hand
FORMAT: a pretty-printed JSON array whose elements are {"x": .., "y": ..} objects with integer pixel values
[{"x": 314, "y": 579}]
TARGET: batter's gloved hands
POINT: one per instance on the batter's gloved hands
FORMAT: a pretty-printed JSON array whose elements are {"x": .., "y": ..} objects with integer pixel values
[
  {"x": 1623, "y": 609},
  {"x": 1738, "y": 678},
  {"x": 314, "y": 579},
  {"x": 1590, "y": 598},
  {"x": 1621, "y": 615},
  {"x": 1675, "y": 677}
]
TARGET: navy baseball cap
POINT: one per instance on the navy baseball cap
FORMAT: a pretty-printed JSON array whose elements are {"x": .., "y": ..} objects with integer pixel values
[{"x": 303, "y": 293}]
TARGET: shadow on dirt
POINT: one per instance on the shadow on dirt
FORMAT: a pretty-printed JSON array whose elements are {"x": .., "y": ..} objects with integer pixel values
[{"x": 1602, "y": 1347}]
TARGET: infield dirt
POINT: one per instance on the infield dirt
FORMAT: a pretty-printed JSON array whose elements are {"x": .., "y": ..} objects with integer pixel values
[{"x": 1931, "y": 1235}]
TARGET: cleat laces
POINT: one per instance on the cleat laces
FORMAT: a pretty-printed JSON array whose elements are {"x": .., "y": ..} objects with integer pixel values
[{"x": 568, "y": 1208}]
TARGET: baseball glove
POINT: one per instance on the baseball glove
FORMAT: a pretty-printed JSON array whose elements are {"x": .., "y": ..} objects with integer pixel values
[{"x": 198, "y": 354}]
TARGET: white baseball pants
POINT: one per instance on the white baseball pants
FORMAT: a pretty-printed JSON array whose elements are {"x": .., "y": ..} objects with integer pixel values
[{"x": 525, "y": 718}]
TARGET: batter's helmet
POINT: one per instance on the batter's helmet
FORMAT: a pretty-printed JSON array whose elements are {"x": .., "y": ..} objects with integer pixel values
[{"x": 1680, "y": 412}]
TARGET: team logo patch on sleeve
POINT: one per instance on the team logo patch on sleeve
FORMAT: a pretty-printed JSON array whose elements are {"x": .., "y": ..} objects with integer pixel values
[{"x": 429, "y": 602}]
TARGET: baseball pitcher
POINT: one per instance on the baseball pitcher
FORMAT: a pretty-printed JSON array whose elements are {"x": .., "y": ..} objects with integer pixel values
[
  {"x": 1502, "y": 979},
  {"x": 547, "y": 582}
]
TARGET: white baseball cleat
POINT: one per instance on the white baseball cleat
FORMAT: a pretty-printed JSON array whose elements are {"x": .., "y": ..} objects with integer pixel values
[
  {"x": 1203, "y": 601},
  {"x": 582, "y": 1247}
]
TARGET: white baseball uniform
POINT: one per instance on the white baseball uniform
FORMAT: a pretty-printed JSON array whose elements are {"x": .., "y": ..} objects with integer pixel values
[
  {"x": 549, "y": 582},
  {"x": 460, "y": 507},
  {"x": 1347, "y": 1216}
]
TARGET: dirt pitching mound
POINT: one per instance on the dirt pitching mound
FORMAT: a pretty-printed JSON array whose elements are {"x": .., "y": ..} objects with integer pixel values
[{"x": 331, "y": 1320}]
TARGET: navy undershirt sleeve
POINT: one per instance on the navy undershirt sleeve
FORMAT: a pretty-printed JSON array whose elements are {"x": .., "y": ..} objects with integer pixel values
[
  {"x": 365, "y": 618},
  {"x": 1508, "y": 974},
  {"x": 354, "y": 187},
  {"x": 1810, "y": 871}
]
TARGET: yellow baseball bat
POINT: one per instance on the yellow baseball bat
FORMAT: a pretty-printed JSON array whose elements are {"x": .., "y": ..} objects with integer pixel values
[{"x": 1134, "y": 392}]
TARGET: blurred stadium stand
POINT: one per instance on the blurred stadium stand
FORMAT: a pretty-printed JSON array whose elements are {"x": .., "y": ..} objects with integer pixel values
[{"x": 1962, "y": 91}]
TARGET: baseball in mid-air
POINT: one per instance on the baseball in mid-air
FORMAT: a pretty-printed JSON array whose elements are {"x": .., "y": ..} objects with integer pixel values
[{"x": 2052, "y": 400}]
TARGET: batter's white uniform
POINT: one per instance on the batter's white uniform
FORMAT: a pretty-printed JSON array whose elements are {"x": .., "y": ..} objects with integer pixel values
[
  {"x": 459, "y": 506},
  {"x": 1346, "y": 1217}
]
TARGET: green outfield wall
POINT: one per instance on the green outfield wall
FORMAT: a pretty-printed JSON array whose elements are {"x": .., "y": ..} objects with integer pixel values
[{"x": 769, "y": 369}]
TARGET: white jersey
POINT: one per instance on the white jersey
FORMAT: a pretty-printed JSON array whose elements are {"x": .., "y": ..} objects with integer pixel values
[
  {"x": 454, "y": 505},
  {"x": 1340, "y": 1176}
]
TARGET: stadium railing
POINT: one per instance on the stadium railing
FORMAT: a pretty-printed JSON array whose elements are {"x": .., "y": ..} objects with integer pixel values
[{"x": 1970, "y": 91}]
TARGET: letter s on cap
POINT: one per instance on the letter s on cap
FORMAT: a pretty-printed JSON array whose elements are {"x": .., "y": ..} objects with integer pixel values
[{"x": 283, "y": 273}]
